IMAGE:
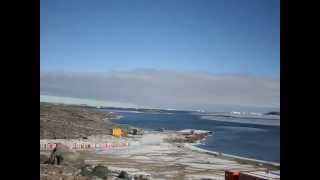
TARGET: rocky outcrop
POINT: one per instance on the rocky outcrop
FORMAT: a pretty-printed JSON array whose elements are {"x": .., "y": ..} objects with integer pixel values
[
  {"x": 100, "y": 172},
  {"x": 135, "y": 131},
  {"x": 187, "y": 136},
  {"x": 124, "y": 175},
  {"x": 68, "y": 122},
  {"x": 86, "y": 170}
]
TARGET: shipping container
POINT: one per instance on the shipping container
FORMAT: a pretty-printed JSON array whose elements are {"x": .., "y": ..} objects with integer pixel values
[{"x": 231, "y": 175}]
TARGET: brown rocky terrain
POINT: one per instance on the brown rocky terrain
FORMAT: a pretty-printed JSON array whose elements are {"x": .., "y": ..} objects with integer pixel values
[{"x": 66, "y": 122}]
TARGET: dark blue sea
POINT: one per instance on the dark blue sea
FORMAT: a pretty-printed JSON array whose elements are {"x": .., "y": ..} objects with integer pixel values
[{"x": 255, "y": 137}]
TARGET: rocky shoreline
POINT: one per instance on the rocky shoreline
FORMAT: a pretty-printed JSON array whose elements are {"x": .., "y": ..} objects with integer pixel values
[{"x": 149, "y": 156}]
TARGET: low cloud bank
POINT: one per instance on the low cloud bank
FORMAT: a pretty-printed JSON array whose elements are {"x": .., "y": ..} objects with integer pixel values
[{"x": 164, "y": 89}]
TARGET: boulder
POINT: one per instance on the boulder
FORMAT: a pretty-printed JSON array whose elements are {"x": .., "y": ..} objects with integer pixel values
[
  {"x": 135, "y": 131},
  {"x": 100, "y": 172},
  {"x": 86, "y": 170},
  {"x": 124, "y": 175}
]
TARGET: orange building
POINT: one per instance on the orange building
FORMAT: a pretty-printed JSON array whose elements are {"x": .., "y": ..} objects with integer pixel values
[{"x": 117, "y": 132}]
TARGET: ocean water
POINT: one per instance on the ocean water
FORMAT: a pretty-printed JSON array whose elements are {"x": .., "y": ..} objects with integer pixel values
[{"x": 247, "y": 135}]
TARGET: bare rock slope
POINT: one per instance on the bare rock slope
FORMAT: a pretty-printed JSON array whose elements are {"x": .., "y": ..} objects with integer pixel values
[{"x": 65, "y": 122}]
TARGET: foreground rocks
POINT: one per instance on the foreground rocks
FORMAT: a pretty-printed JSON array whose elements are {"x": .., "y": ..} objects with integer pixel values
[
  {"x": 150, "y": 157},
  {"x": 123, "y": 175},
  {"x": 86, "y": 172},
  {"x": 100, "y": 172},
  {"x": 52, "y": 172},
  {"x": 66, "y": 164}
]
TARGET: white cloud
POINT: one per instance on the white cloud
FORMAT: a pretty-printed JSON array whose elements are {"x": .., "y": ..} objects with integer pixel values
[
  {"x": 165, "y": 89},
  {"x": 79, "y": 101}
]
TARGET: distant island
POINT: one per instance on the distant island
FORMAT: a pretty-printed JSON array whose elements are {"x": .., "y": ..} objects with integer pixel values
[{"x": 273, "y": 113}]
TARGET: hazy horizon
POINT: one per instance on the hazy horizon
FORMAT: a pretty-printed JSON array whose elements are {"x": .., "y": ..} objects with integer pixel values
[{"x": 165, "y": 89}]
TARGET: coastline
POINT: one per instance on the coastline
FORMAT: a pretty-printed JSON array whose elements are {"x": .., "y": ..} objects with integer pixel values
[
  {"x": 148, "y": 154},
  {"x": 232, "y": 157}
]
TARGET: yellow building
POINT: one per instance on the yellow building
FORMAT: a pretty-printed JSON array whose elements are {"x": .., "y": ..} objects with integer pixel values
[{"x": 117, "y": 132}]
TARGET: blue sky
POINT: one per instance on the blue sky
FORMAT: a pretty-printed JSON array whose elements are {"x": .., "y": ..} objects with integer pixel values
[{"x": 214, "y": 36}]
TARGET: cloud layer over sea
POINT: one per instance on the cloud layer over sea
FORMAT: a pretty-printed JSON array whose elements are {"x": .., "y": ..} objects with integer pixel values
[{"x": 164, "y": 89}]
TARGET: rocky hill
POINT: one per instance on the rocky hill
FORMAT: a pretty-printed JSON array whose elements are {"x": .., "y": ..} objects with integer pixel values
[{"x": 64, "y": 122}]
